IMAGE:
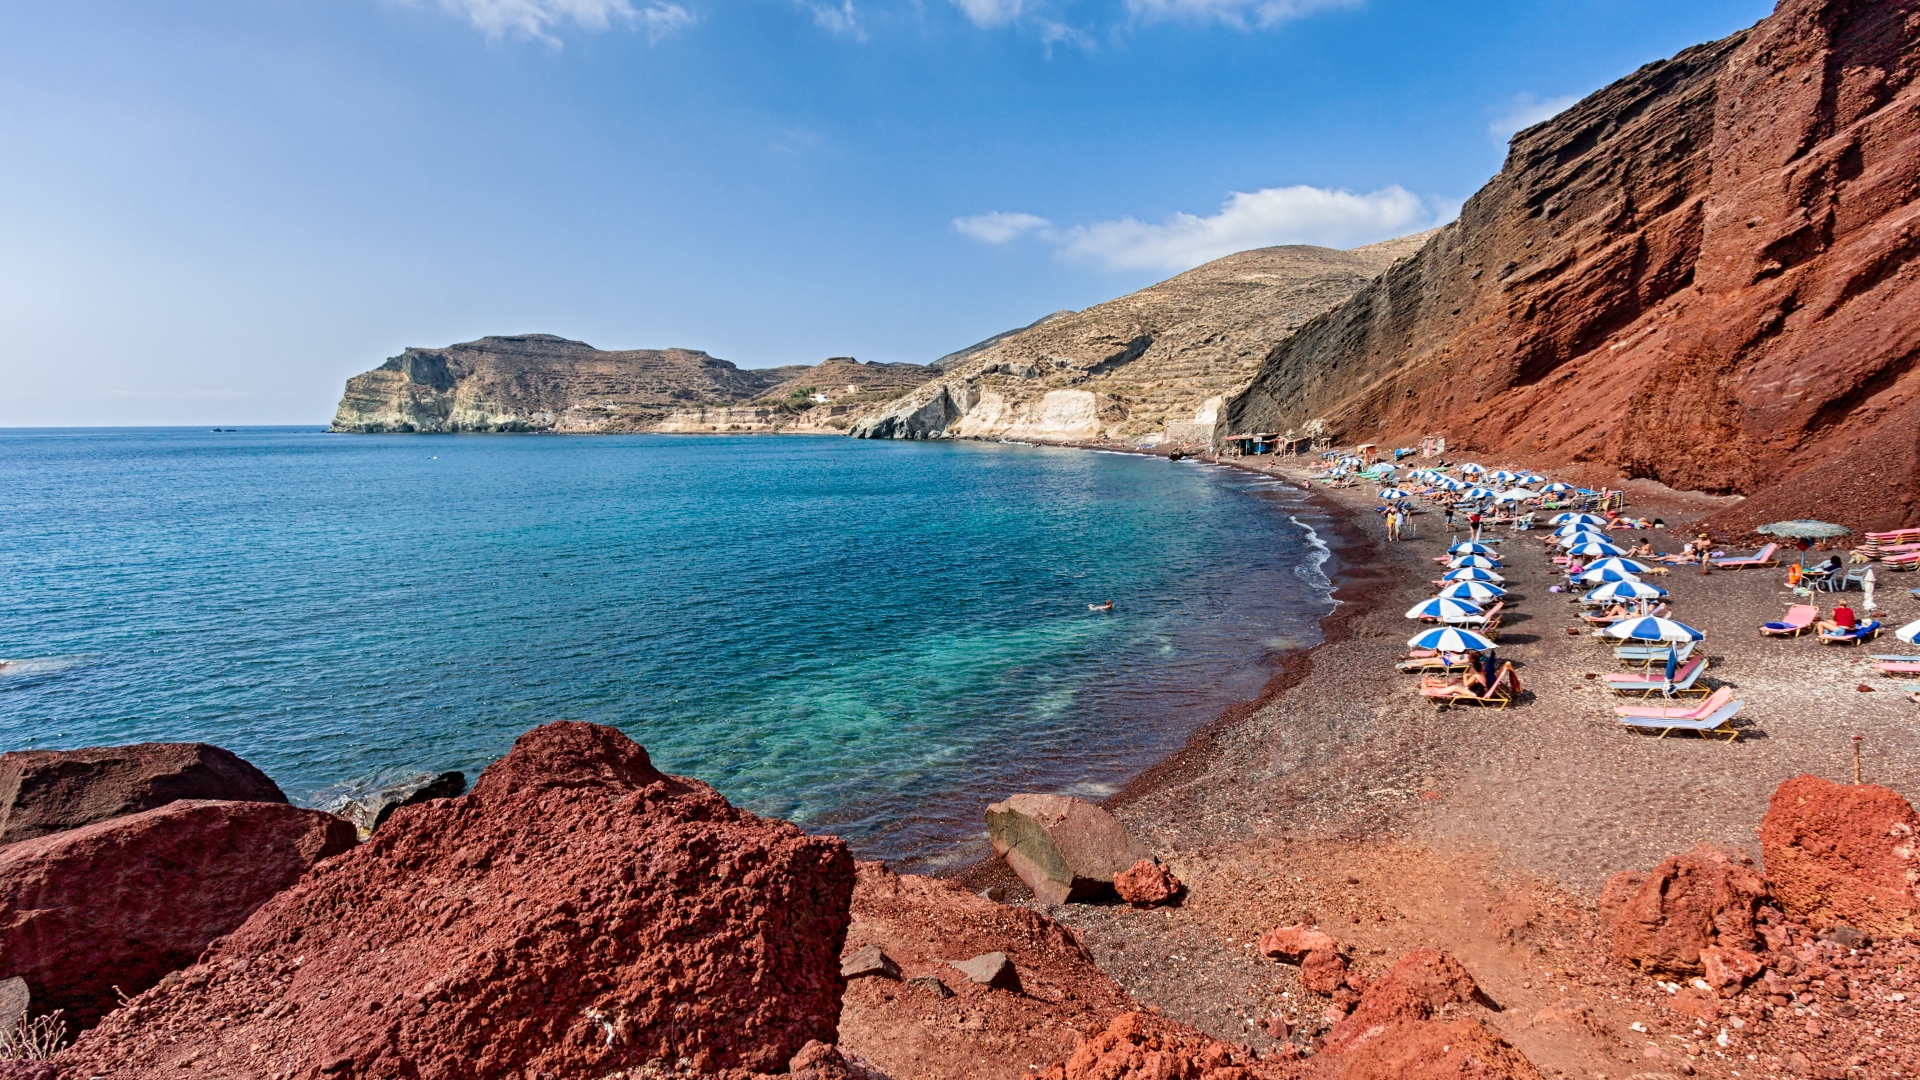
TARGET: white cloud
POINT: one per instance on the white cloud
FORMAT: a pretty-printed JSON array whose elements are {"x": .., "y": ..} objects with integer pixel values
[
  {"x": 536, "y": 19},
  {"x": 840, "y": 19},
  {"x": 1524, "y": 111},
  {"x": 998, "y": 228},
  {"x": 1241, "y": 14},
  {"x": 990, "y": 13}
]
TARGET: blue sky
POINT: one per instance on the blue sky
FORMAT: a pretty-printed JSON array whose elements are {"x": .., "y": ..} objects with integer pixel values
[{"x": 215, "y": 212}]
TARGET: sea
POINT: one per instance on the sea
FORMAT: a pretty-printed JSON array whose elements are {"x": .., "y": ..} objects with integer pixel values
[{"x": 868, "y": 638}]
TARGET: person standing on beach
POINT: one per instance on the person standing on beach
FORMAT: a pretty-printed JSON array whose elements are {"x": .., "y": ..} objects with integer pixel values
[
  {"x": 1393, "y": 524},
  {"x": 1449, "y": 517}
]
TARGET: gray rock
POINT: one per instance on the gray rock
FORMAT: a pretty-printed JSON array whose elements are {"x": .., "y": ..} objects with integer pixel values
[
  {"x": 14, "y": 1000},
  {"x": 1065, "y": 849},
  {"x": 924, "y": 414},
  {"x": 869, "y": 962},
  {"x": 931, "y": 984},
  {"x": 989, "y": 969}
]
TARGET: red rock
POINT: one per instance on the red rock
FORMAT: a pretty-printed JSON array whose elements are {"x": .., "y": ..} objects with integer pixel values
[
  {"x": 1843, "y": 854},
  {"x": 578, "y": 913},
  {"x": 1660, "y": 921},
  {"x": 1065, "y": 849},
  {"x": 1729, "y": 968},
  {"x": 1422, "y": 982},
  {"x": 46, "y": 791},
  {"x": 1703, "y": 273},
  {"x": 1140, "y": 1047},
  {"x": 126, "y": 900},
  {"x": 1295, "y": 942},
  {"x": 1146, "y": 883},
  {"x": 1432, "y": 1050},
  {"x": 1323, "y": 971}
]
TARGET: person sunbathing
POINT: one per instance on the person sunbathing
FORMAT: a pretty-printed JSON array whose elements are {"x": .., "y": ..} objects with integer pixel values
[
  {"x": 1843, "y": 619},
  {"x": 1645, "y": 550}
]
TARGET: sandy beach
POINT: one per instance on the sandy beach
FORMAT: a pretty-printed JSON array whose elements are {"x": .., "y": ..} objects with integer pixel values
[{"x": 1344, "y": 798}]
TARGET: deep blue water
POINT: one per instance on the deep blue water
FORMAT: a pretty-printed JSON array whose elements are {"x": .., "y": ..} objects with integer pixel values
[{"x": 867, "y": 638}]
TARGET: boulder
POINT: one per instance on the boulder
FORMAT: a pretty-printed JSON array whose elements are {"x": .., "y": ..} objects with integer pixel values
[
  {"x": 1064, "y": 848},
  {"x": 369, "y": 812},
  {"x": 579, "y": 913},
  {"x": 1323, "y": 971},
  {"x": 1146, "y": 883},
  {"x": 1843, "y": 854},
  {"x": 930, "y": 984},
  {"x": 1295, "y": 942},
  {"x": 124, "y": 901},
  {"x": 1728, "y": 968},
  {"x": 15, "y": 998},
  {"x": 989, "y": 969},
  {"x": 1138, "y": 1047},
  {"x": 47, "y": 791},
  {"x": 1432, "y": 1050},
  {"x": 1421, "y": 983},
  {"x": 869, "y": 962},
  {"x": 1662, "y": 920}
]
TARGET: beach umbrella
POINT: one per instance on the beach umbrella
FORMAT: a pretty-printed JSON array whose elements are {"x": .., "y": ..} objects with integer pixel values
[
  {"x": 1443, "y": 607},
  {"x": 1625, "y": 590},
  {"x": 1601, "y": 577},
  {"x": 1475, "y": 591},
  {"x": 1653, "y": 628},
  {"x": 1468, "y": 547},
  {"x": 1394, "y": 493},
  {"x": 1471, "y": 573},
  {"x": 1503, "y": 477},
  {"x": 1516, "y": 495},
  {"x": 1584, "y": 536},
  {"x": 1479, "y": 493},
  {"x": 1471, "y": 468},
  {"x": 1480, "y": 561},
  {"x": 1555, "y": 489},
  {"x": 1589, "y": 519},
  {"x": 1625, "y": 566},
  {"x": 1594, "y": 547},
  {"x": 1908, "y": 632},
  {"x": 1805, "y": 530},
  {"x": 1533, "y": 478},
  {"x": 1449, "y": 639}
]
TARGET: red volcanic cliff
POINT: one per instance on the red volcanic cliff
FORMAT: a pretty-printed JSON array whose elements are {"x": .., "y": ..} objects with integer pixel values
[{"x": 1704, "y": 273}]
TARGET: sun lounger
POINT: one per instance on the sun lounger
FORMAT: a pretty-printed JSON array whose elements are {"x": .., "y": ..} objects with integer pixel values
[
  {"x": 1678, "y": 712},
  {"x": 1889, "y": 656},
  {"x": 1763, "y": 557},
  {"x": 1506, "y": 686},
  {"x": 1487, "y": 622},
  {"x": 1649, "y": 683},
  {"x": 1715, "y": 723},
  {"x": 1855, "y": 636},
  {"x": 1648, "y": 654},
  {"x": 1798, "y": 620},
  {"x": 1436, "y": 662},
  {"x": 1899, "y": 667}
]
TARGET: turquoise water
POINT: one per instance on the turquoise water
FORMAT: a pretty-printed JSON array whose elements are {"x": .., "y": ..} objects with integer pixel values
[{"x": 867, "y": 638}]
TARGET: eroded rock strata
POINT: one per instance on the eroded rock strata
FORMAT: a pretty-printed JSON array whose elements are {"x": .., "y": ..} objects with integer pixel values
[{"x": 1704, "y": 274}]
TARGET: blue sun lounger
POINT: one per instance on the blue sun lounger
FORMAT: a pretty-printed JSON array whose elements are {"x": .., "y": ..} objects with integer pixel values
[{"x": 1715, "y": 723}]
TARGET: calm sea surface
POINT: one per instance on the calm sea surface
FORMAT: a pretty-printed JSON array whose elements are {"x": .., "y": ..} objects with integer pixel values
[{"x": 867, "y": 638}]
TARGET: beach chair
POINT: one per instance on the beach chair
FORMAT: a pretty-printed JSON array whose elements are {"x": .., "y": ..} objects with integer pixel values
[
  {"x": 1863, "y": 632},
  {"x": 1487, "y": 622},
  {"x": 1506, "y": 687},
  {"x": 1647, "y": 655},
  {"x": 1899, "y": 667},
  {"x": 1648, "y": 683},
  {"x": 1798, "y": 620},
  {"x": 1718, "y": 722},
  {"x": 1433, "y": 662},
  {"x": 1763, "y": 557}
]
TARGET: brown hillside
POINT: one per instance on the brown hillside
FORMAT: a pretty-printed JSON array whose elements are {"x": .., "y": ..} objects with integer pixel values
[{"x": 1702, "y": 274}]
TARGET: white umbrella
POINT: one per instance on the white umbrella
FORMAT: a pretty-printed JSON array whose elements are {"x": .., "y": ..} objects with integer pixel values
[
  {"x": 1476, "y": 591},
  {"x": 1472, "y": 573},
  {"x": 1443, "y": 607},
  {"x": 1449, "y": 639},
  {"x": 1653, "y": 628},
  {"x": 1516, "y": 495},
  {"x": 1625, "y": 590},
  {"x": 1480, "y": 561}
]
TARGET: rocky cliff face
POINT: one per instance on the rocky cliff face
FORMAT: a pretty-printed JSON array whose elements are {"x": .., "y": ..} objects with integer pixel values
[
  {"x": 1704, "y": 274},
  {"x": 1127, "y": 367},
  {"x": 538, "y": 382}
]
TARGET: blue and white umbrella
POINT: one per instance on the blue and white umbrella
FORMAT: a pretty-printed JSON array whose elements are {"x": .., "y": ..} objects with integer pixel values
[
  {"x": 1594, "y": 547},
  {"x": 1471, "y": 573},
  {"x": 1503, "y": 477},
  {"x": 1908, "y": 632},
  {"x": 1468, "y": 547},
  {"x": 1653, "y": 628},
  {"x": 1449, "y": 639},
  {"x": 1395, "y": 493},
  {"x": 1476, "y": 591},
  {"x": 1589, "y": 519},
  {"x": 1479, "y": 493},
  {"x": 1601, "y": 577},
  {"x": 1625, "y": 590},
  {"x": 1480, "y": 561},
  {"x": 1555, "y": 489},
  {"x": 1625, "y": 566},
  {"x": 1471, "y": 469},
  {"x": 1533, "y": 478},
  {"x": 1443, "y": 608},
  {"x": 1583, "y": 536}
]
